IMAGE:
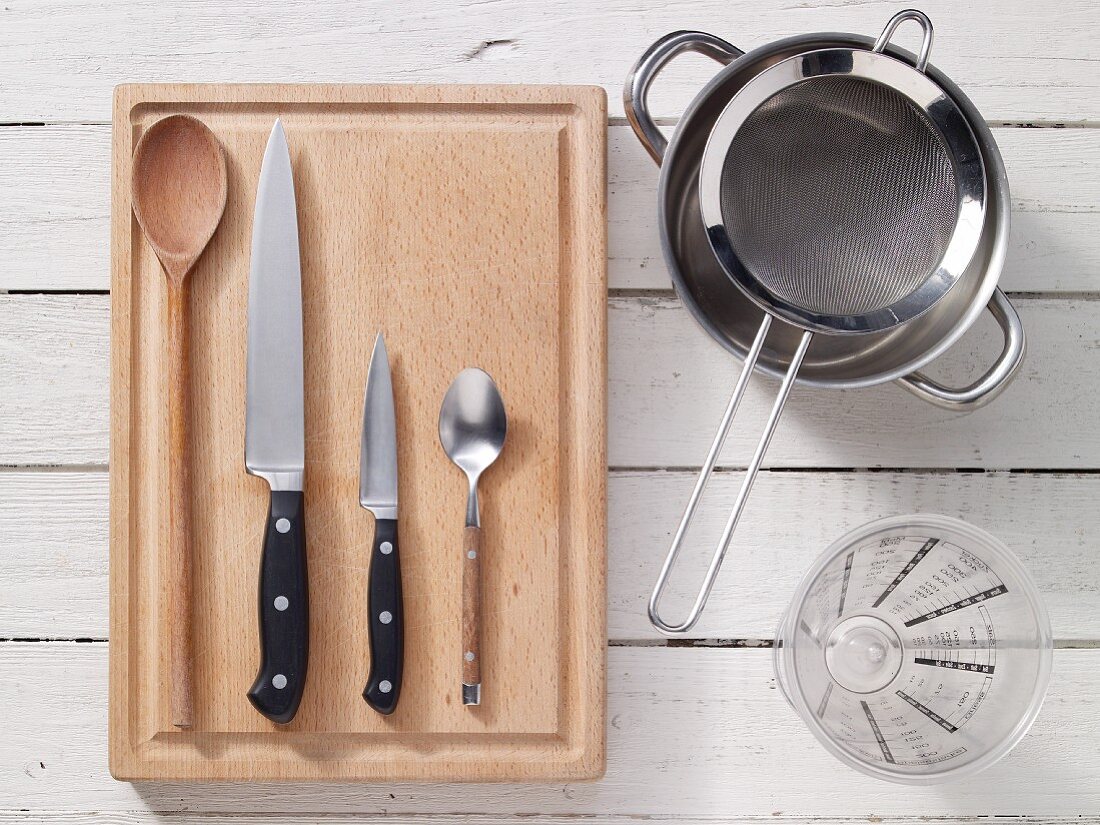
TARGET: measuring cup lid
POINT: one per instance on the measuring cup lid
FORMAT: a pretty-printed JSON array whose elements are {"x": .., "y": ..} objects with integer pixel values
[{"x": 904, "y": 584}]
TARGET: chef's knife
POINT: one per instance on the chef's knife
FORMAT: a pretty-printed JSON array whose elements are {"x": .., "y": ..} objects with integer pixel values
[
  {"x": 378, "y": 493},
  {"x": 274, "y": 441}
]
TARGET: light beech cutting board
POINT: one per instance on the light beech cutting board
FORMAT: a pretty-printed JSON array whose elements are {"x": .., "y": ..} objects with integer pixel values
[{"x": 468, "y": 224}]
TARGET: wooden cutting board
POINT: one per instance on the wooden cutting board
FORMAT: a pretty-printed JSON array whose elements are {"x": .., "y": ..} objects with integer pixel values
[{"x": 468, "y": 224}]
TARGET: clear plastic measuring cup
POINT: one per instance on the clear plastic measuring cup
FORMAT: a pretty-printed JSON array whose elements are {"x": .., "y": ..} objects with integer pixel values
[{"x": 916, "y": 649}]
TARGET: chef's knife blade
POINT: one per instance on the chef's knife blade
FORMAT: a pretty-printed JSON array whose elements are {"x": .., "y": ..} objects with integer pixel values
[
  {"x": 275, "y": 433},
  {"x": 378, "y": 493}
]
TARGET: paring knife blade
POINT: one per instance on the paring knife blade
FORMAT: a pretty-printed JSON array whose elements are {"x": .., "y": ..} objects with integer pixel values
[
  {"x": 378, "y": 493},
  {"x": 275, "y": 433}
]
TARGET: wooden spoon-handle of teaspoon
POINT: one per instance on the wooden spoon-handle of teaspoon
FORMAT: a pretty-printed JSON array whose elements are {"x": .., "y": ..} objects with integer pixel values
[
  {"x": 180, "y": 586},
  {"x": 471, "y": 616}
]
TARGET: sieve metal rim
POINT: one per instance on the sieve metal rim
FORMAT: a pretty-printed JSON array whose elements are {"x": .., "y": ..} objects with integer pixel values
[{"x": 945, "y": 118}]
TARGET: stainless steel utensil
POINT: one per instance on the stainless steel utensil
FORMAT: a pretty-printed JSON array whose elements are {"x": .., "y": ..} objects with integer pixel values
[
  {"x": 798, "y": 204},
  {"x": 274, "y": 441},
  {"x": 472, "y": 428},
  {"x": 378, "y": 493}
]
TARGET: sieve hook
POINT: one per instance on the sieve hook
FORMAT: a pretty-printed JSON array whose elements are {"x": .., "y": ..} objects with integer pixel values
[
  {"x": 746, "y": 484},
  {"x": 897, "y": 20}
]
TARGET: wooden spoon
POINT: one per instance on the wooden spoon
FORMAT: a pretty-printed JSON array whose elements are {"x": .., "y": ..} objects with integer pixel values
[{"x": 179, "y": 191}]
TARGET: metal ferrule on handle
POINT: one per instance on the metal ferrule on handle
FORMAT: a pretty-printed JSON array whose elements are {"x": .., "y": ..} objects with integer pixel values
[{"x": 746, "y": 484}]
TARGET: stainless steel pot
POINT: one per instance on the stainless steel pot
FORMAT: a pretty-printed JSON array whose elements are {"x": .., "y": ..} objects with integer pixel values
[{"x": 722, "y": 310}]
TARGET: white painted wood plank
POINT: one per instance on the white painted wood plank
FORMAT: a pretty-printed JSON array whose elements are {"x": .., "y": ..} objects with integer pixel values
[
  {"x": 1054, "y": 240},
  {"x": 670, "y": 382},
  {"x": 1050, "y": 521},
  {"x": 54, "y": 382},
  {"x": 54, "y": 526},
  {"x": 142, "y": 817},
  {"x": 692, "y": 733},
  {"x": 668, "y": 385},
  {"x": 56, "y": 210},
  {"x": 1016, "y": 59},
  {"x": 57, "y": 183}
]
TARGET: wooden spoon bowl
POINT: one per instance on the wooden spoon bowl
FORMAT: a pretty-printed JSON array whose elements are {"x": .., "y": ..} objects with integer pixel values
[{"x": 179, "y": 191}]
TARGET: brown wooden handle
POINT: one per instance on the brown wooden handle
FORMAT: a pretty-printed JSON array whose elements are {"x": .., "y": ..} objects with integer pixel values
[
  {"x": 179, "y": 585},
  {"x": 471, "y": 616}
]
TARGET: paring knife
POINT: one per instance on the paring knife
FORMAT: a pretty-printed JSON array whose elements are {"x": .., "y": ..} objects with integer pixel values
[
  {"x": 274, "y": 441},
  {"x": 378, "y": 493}
]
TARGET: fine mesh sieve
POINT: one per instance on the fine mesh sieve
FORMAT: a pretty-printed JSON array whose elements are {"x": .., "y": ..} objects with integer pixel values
[
  {"x": 838, "y": 195},
  {"x": 843, "y": 191}
]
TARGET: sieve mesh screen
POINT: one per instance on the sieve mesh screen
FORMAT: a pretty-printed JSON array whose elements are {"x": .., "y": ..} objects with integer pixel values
[{"x": 838, "y": 196}]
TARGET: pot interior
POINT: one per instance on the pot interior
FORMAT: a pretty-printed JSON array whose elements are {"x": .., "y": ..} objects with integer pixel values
[{"x": 733, "y": 320}]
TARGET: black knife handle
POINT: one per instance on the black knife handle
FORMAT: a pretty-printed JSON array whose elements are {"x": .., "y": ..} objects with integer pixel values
[
  {"x": 387, "y": 620},
  {"x": 284, "y": 611}
]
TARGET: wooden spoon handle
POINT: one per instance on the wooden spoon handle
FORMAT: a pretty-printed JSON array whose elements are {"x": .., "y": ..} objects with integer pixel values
[
  {"x": 180, "y": 587},
  {"x": 471, "y": 616}
]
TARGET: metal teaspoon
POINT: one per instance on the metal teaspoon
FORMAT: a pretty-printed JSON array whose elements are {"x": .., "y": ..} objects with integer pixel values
[{"x": 472, "y": 427}]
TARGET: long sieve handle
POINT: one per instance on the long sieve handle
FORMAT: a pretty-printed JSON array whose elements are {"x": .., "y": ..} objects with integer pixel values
[{"x": 746, "y": 484}]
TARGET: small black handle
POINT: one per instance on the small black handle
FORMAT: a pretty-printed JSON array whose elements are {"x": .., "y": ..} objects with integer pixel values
[
  {"x": 387, "y": 621},
  {"x": 284, "y": 611}
]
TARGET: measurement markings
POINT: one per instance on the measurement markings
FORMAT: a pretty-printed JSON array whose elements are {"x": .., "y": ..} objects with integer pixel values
[
  {"x": 932, "y": 760},
  {"x": 905, "y": 571},
  {"x": 844, "y": 586},
  {"x": 986, "y": 685},
  {"x": 973, "y": 667},
  {"x": 889, "y": 757},
  {"x": 805, "y": 628},
  {"x": 990, "y": 635},
  {"x": 927, "y": 711},
  {"x": 969, "y": 601},
  {"x": 825, "y": 700}
]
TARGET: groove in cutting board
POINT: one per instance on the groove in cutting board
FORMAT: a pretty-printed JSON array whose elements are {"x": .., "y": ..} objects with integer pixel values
[{"x": 468, "y": 224}]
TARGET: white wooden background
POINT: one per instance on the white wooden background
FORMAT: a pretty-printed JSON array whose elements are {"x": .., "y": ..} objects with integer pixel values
[{"x": 696, "y": 733}]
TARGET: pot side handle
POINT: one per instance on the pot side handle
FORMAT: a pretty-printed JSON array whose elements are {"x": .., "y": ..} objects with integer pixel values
[
  {"x": 650, "y": 64},
  {"x": 990, "y": 385}
]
